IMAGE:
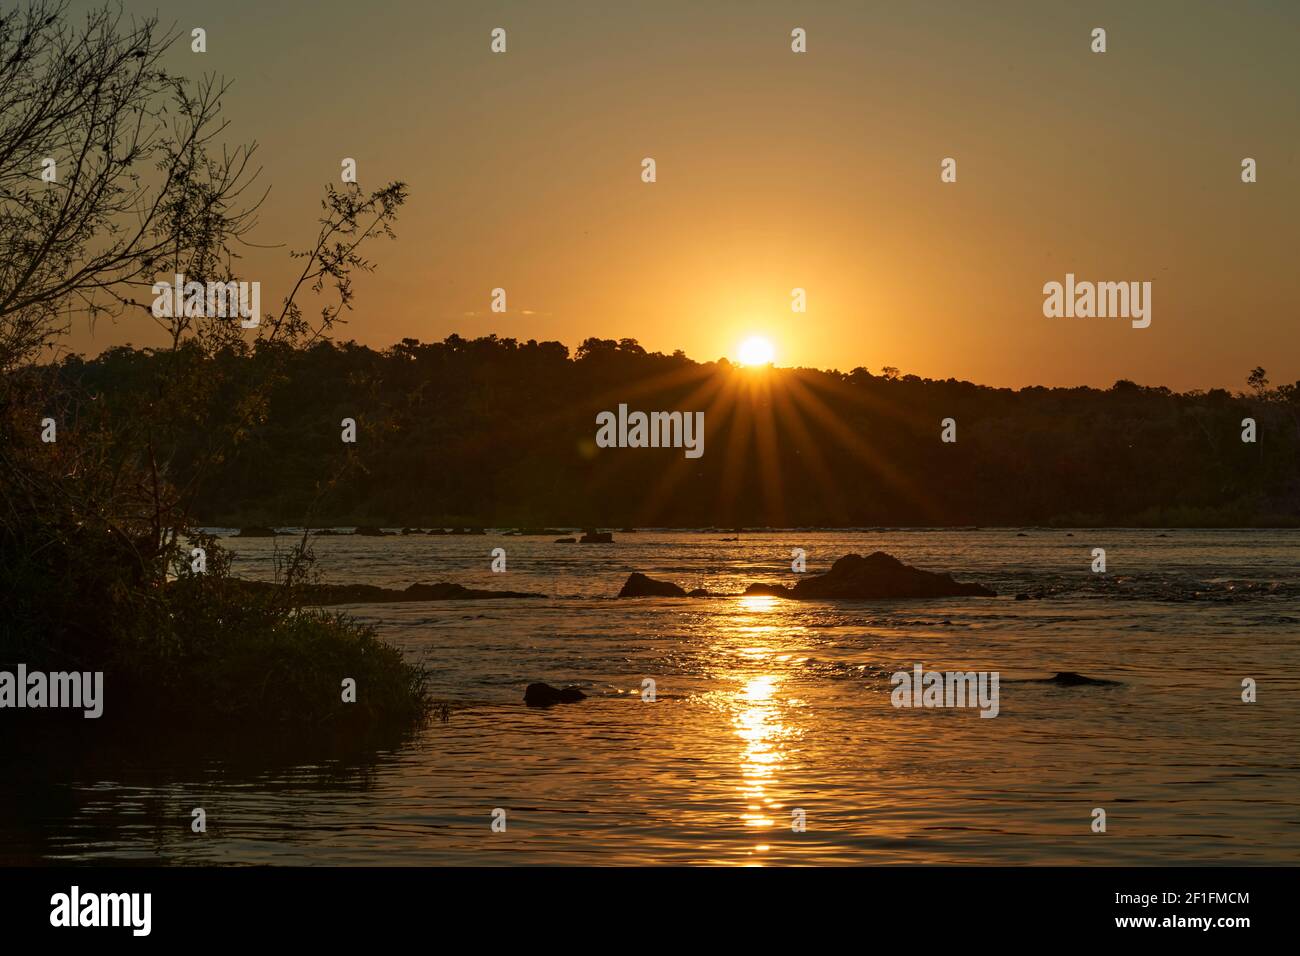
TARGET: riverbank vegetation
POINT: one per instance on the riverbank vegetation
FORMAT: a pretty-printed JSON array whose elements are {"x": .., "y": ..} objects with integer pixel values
[{"x": 101, "y": 563}]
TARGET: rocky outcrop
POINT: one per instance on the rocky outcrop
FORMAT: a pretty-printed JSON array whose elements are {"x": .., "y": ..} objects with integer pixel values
[
  {"x": 638, "y": 585},
  {"x": 877, "y": 576},
  {"x": 774, "y": 590},
  {"x": 544, "y": 695},
  {"x": 320, "y": 595},
  {"x": 1071, "y": 679},
  {"x": 596, "y": 537},
  {"x": 256, "y": 531}
]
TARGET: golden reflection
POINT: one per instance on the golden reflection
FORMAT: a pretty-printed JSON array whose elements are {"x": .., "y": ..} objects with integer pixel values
[
  {"x": 758, "y": 722},
  {"x": 758, "y": 602}
]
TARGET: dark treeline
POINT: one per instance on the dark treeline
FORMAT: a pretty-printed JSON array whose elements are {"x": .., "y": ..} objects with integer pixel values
[{"x": 494, "y": 432}]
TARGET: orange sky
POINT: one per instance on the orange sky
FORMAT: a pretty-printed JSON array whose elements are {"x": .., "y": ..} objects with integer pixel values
[{"x": 778, "y": 170}]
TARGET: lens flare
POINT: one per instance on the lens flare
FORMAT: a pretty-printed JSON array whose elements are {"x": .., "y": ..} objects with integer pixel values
[{"x": 756, "y": 350}]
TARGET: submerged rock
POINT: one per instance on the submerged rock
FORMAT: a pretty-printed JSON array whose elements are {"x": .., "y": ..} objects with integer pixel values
[
  {"x": 320, "y": 595},
  {"x": 638, "y": 585},
  {"x": 879, "y": 575},
  {"x": 596, "y": 537},
  {"x": 256, "y": 531},
  {"x": 1071, "y": 679},
  {"x": 1064, "y": 679},
  {"x": 774, "y": 590},
  {"x": 446, "y": 591},
  {"x": 544, "y": 695},
  {"x": 566, "y": 540}
]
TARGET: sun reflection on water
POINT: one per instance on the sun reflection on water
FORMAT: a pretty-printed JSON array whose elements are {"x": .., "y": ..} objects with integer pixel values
[
  {"x": 758, "y": 602},
  {"x": 758, "y": 722},
  {"x": 755, "y": 640}
]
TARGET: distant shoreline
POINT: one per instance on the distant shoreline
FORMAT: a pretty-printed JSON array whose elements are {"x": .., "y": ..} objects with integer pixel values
[{"x": 397, "y": 531}]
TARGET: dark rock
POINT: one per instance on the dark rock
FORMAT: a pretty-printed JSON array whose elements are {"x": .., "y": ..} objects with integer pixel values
[
  {"x": 412, "y": 531},
  {"x": 256, "y": 531},
  {"x": 371, "y": 532},
  {"x": 544, "y": 695},
  {"x": 878, "y": 575},
  {"x": 774, "y": 590},
  {"x": 1071, "y": 679},
  {"x": 638, "y": 585},
  {"x": 320, "y": 595},
  {"x": 446, "y": 591},
  {"x": 596, "y": 537},
  {"x": 1022, "y": 596},
  {"x": 566, "y": 540},
  {"x": 325, "y": 532}
]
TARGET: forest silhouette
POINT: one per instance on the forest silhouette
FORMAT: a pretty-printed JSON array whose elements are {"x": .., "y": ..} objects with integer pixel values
[{"x": 494, "y": 432}]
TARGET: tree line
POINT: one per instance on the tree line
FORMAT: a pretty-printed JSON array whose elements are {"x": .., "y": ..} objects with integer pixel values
[{"x": 496, "y": 432}]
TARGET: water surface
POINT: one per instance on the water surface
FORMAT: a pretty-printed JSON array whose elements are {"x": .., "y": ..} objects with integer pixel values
[{"x": 764, "y": 707}]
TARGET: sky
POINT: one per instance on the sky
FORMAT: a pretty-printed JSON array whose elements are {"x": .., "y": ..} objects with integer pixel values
[{"x": 778, "y": 170}]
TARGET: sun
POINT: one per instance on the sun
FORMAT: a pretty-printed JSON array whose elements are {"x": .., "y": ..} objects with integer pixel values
[{"x": 756, "y": 350}]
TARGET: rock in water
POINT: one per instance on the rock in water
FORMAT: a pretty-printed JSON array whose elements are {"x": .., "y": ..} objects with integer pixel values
[
  {"x": 544, "y": 695},
  {"x": 597, "y": 537},
  {"x": 881, "y": 575},
  {"x": 638, "y": 585},
  {"x": 772, "y": 590},
  {"x": 1071, "y": 679},
  {"x": 256, "y": 531},
  {"x": 322, "y": 595}
]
